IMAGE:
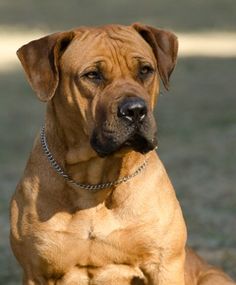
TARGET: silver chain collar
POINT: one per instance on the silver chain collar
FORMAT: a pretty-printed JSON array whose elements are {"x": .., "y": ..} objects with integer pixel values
[{"x": 90, "y": 187}]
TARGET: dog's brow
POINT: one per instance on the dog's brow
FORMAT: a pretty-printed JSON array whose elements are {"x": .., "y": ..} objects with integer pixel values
[
  {"x": 95, "y": 62},
  {"x": 141, "y": 58}
]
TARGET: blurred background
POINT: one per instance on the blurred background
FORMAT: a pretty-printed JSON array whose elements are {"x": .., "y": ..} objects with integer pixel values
[{"x": 196, "y": 118}]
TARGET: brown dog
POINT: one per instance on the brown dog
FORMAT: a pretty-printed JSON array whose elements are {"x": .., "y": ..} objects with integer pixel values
[{"x": 120, "y": 222}]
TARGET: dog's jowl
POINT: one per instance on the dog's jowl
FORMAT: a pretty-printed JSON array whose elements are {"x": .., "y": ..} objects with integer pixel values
[{"x": 95, "y": 205}]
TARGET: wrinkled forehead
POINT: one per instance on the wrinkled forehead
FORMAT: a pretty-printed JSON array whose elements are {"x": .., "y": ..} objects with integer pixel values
[{"x": 110, "y": 42}]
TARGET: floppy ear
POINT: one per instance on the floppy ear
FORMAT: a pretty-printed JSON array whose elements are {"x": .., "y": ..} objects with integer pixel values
[
  {"x": 40, "y": 59},
  {"x": 165, "y": 47}
]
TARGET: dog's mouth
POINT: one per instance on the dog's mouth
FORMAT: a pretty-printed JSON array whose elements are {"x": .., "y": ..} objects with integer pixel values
[
  {"x": 136, "y": 142},
  {"x": 140, "y": 143}
]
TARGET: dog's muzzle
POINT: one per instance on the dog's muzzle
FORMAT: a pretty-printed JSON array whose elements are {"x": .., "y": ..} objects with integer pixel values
[{"x": 133, "y": 126}]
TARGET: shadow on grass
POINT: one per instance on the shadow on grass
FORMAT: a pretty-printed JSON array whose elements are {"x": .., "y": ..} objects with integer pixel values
[{"x": 186, "y": 16}]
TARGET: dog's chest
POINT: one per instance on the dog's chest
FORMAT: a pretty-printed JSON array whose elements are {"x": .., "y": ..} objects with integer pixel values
[{"x": 92, "y": 238}]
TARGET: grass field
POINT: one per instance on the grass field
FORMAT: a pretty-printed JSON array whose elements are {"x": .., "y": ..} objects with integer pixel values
[{"x": 196, "y": 120}]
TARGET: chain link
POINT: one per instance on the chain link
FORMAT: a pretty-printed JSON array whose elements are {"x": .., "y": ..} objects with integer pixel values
[{"x": 90, "y": 187}]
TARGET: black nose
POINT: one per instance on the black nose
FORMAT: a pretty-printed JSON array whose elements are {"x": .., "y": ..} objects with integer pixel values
[{"x": 132, "y": 109}]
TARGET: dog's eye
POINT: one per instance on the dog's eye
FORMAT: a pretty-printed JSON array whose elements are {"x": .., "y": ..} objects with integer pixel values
[
  {"x": 146, "y": 70},
  {"x": 93, "y": 75}
]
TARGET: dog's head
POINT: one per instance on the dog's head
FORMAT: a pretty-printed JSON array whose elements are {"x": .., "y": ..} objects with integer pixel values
[{"x": 104, "y": 81}]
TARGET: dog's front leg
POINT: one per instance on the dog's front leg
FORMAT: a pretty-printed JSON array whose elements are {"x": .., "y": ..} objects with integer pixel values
[{"x": 169, "y": 272}]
